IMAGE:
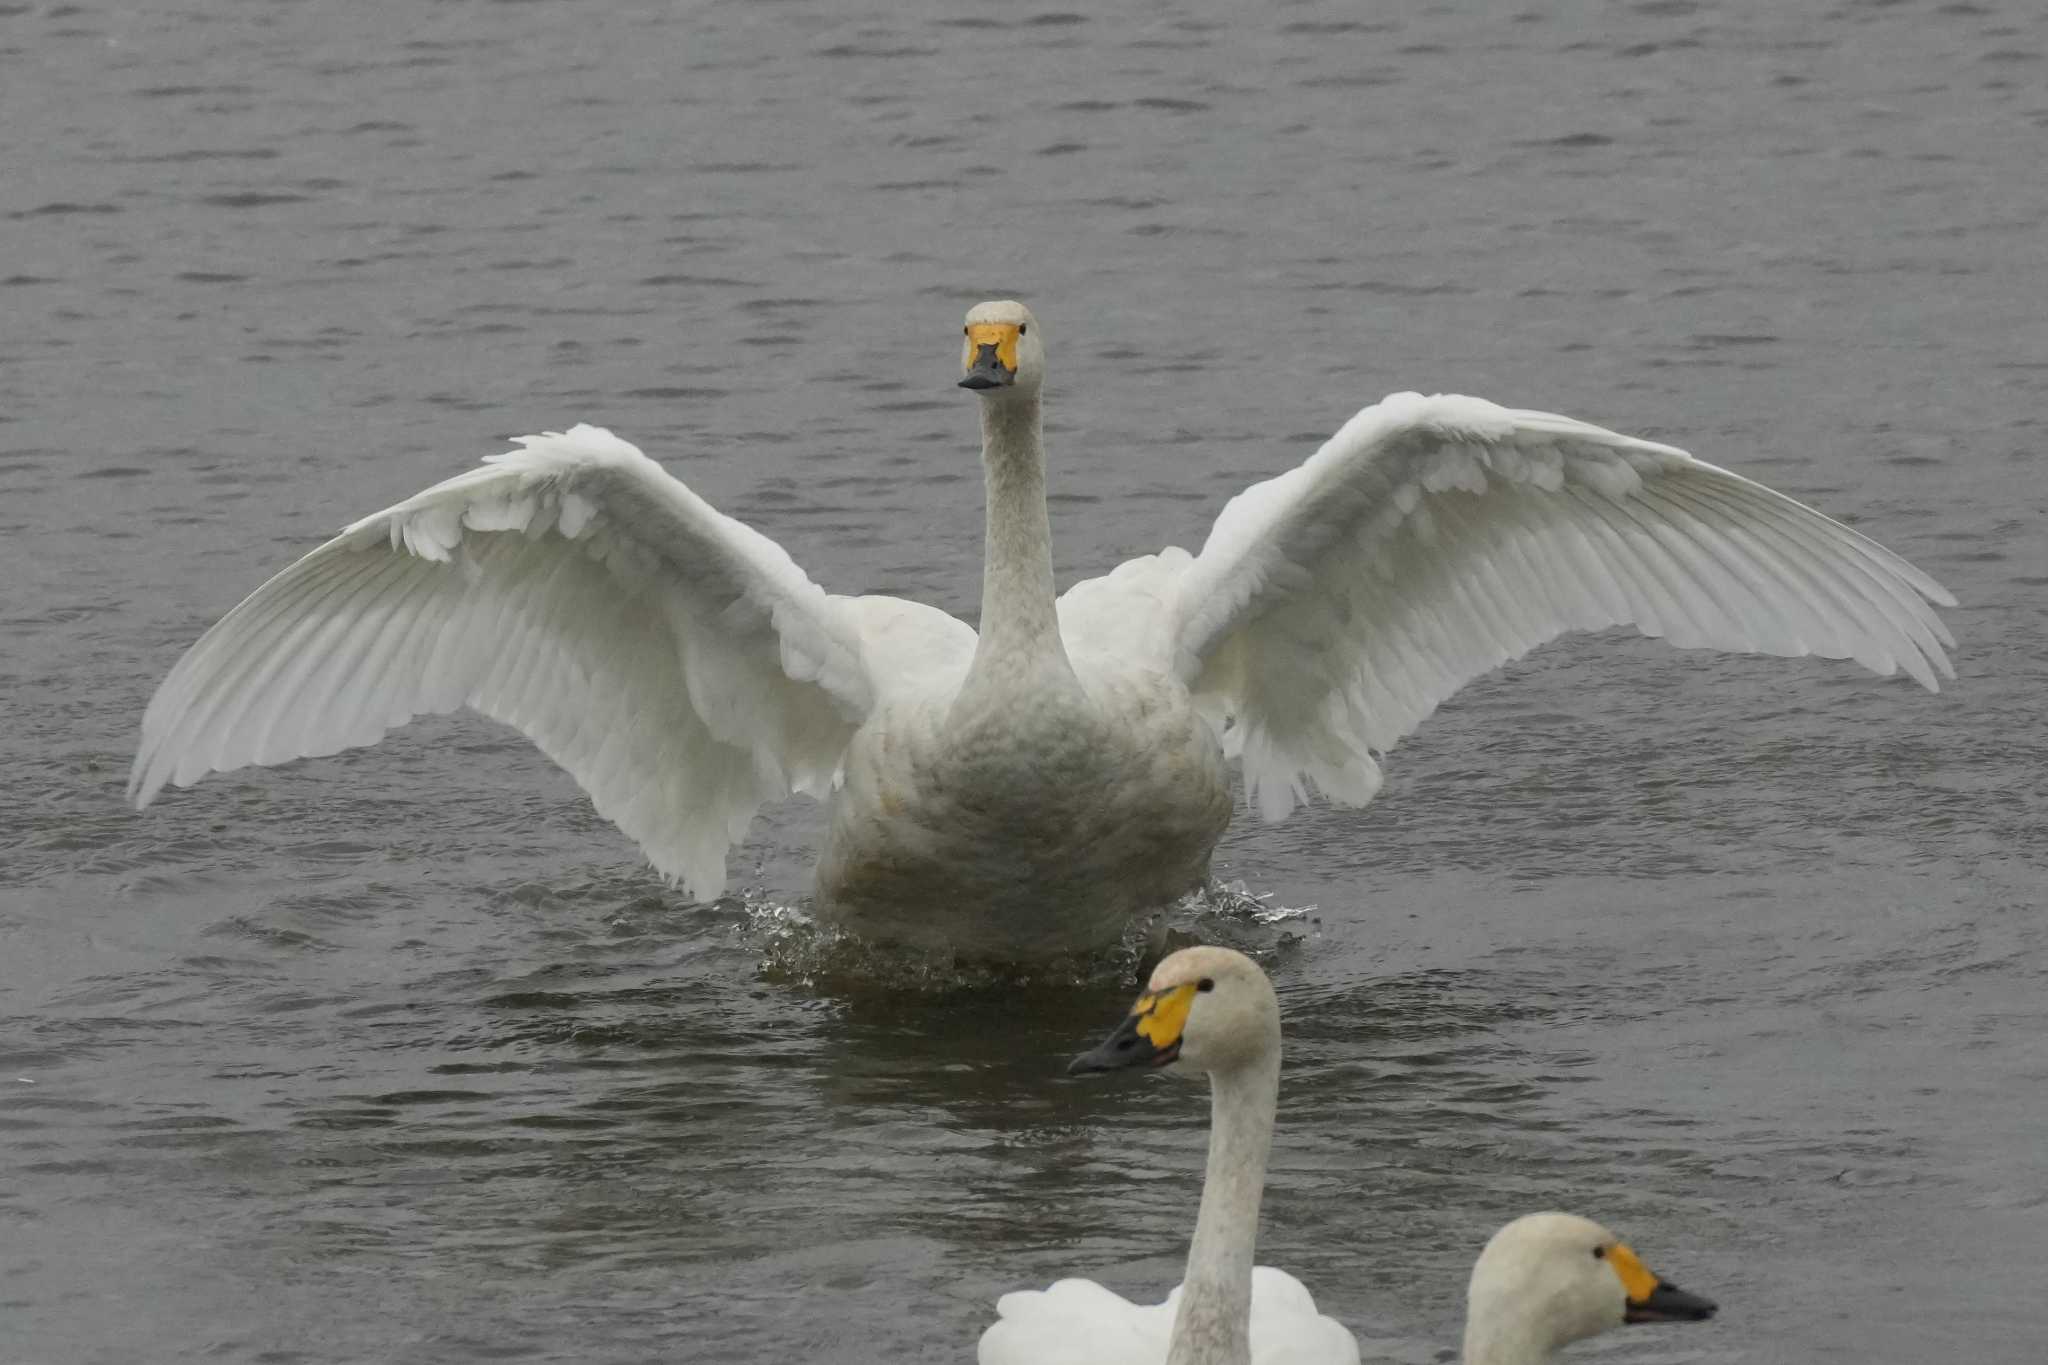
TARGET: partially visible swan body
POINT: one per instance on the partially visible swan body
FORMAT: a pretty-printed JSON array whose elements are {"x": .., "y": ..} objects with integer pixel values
[
  {"x": 1206, "y": 1011},
  {"x": 1543, "y": 1281},
  {"x": 1021, "y": 791}
]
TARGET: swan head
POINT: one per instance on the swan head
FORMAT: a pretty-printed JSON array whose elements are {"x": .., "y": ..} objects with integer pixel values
[
  {"x": 1205, "y": 1010},
  {"x": 1549, "y": 1279},
  {"x": 1004, "y": 352}
]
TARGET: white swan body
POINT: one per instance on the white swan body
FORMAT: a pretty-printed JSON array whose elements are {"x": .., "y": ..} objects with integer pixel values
[
  {"x": 1009, "y": 828},
  {"x": 1078, "y": 1322},
  {"x": 1022, "y": 790},
  {"x": 1207, "y": 1011}
]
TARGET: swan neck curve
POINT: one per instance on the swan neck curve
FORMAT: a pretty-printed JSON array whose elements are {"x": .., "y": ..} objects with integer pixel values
[
  {"x": 1213, "y": 1324},
  {"x": 1019, "y": 625}
]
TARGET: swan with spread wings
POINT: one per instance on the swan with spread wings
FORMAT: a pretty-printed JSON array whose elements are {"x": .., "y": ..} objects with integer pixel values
[{"x": 1024, "y": 789}]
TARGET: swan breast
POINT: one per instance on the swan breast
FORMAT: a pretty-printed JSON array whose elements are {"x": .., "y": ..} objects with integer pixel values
[{"x": 1048, "y": 817}]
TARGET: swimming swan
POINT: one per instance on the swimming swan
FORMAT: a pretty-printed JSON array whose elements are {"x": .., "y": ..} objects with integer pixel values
[
  {"x": 1207, "y": 1011},
  {"x": 1543, "y": 1281},
  {"x": 1021, "y": 791},
  {"x": 1547, "y": 1280}
]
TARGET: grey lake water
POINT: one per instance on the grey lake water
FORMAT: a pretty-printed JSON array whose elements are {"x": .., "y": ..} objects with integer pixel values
[{"x": 406, "y": 1056}]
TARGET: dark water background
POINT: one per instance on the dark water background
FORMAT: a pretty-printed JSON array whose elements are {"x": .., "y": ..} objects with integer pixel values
[{"x": 404, "y": 1056}]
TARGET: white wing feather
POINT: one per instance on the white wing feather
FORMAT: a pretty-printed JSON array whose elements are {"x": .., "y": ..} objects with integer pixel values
[
  {"x": 1434, "y": 538},
  {"x": 676, "y": 662},
  {"x": 1128, "y": 613}
]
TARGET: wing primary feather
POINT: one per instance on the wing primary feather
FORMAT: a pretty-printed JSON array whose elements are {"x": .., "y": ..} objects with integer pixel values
[
  {"x": 1411, "y": 653},
  {"x": 1583, "y": 548},
  {"x": 1864, "y": 629},
  {"x": 1527, "y": 594},
  {"x": 303, "y": 689},
  {"x": 223, "y": 695},
  {"x": 1700, "y": 617},
  {"x": 1901, "y": 597},
  {"x": 415, "y": 650},
  {"x": 1844, "y": 605},
  {"x": 1790, "y": 584},
  {"x": 1856, "y": 584},
  {"x": 1527, "y": 556},
  {"x": 323, "y": 705},
  {"x": 1585, "y": 597},
  {"x": 1799, "y": 592},
  {"x": 1628, "y": 572},
  {"x": 1743, "y": 593},
  {"x": 1412, "y": 630},
  {"x": 197, "y": 683},
  {"x": 245, "y": 642},
  {"x": 529, "y": 602},
  {"x": 1679, "y": 562},
  {"x": 1891, "y": 565},
  {"x": 1490, "y": 601}
]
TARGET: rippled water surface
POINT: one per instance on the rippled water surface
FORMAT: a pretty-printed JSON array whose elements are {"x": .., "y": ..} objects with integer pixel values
[{"x": 405, "y": 1056}]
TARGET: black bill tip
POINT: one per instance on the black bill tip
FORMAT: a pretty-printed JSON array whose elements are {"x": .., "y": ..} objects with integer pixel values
[
  {"x": 1123, "y": 1049},
  {"x": 1669, "y": 1303},
  {"x": 987, "y": 372}
]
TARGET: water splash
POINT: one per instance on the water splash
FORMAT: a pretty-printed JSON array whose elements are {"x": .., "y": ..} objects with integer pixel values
[
  {"x": 797, "y": 949},
  {"x": 1236, "y": 900}
]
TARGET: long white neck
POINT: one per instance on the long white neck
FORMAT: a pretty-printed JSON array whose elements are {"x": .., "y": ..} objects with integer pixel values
[
  {"x": 1494, "y": 1335},
  {"x": 1214, "y": 1321},
  {"x": 1020, "y": 632}
]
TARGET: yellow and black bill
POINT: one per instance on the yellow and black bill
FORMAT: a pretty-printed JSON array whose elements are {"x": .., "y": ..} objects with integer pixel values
[
  {"x": 991, "y": 358},
  {"x": 1150, "y": 1034},
  {"x": 1651, "y": 1299}
]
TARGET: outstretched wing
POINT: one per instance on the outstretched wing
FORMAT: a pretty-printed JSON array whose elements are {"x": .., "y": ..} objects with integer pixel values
[
  {"x": 1434, "y": 538},
  {"x": 677, "y": 663}
]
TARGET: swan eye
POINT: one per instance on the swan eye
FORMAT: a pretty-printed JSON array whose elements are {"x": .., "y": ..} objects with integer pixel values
[
  {"x": 1207, "y": 983},
  {"x": 1022, "y": 328},
  {"x": 966, "y": 331},
  {"x": 1599, "y": 1253}
]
